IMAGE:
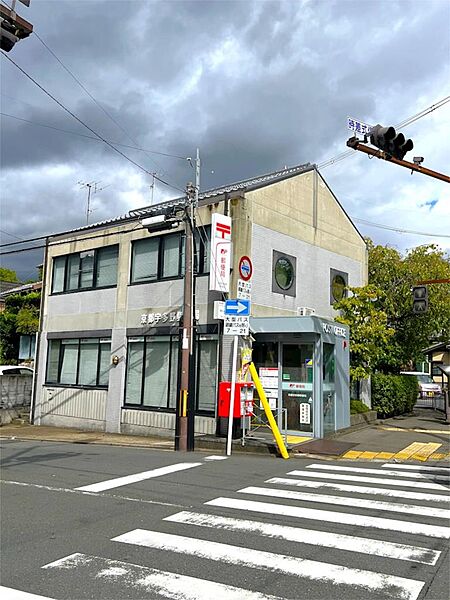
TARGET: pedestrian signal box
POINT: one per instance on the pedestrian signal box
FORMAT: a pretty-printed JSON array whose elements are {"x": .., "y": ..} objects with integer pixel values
[{"x": 420, "y": 299}]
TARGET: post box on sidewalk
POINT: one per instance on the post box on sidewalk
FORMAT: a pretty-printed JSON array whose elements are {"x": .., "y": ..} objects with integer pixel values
[{"x": 243, "y": 406}]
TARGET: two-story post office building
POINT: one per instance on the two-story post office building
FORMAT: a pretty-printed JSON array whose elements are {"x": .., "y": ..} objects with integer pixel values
[{"x": 109, "y": 342}]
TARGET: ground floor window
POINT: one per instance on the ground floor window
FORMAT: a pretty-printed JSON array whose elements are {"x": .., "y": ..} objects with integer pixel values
[
  {"x": 152, "y": 373},
  {"x": 27, "y": 345},
  {"x": 79, "y": 362}
]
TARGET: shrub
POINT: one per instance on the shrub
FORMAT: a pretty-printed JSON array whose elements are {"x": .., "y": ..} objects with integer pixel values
[
  {"x": 393, "y": 394},
  {"x": 357, "y": 406}
]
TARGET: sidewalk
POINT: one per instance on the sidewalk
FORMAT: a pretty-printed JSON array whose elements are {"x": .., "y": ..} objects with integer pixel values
[{"x": 423, "y": 436}]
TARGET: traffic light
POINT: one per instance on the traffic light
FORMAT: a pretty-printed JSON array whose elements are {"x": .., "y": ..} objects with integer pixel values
[
  {"x": 393, "y": 143},
  {"x": 420, "y": 299},
  {"x": 12, "y": 27}
]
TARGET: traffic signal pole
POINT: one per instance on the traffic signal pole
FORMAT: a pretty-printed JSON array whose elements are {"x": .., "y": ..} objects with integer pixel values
[{"x": 357, "y": 145}]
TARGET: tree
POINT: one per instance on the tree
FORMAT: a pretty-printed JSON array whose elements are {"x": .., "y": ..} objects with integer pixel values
[
  {"x": 385, "y": 335},
  {"x": 370, "y": 335},
  {"x": 395, "y": 275},
  {"x": 21, "y": 316},
  {"x": 8, "y": 275}
]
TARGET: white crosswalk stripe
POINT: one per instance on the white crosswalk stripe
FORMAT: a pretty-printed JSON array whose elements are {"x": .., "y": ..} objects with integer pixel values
[
  {"x": 436, "y": 477},
  {"x": 377, "y": 480},
  {"x": 354, "y": 522},
  {"x": 398, "y": 587},
  {"x": 426, "y": 511},
  {"x": 311, "y": 536},
  {"x": 420, "y": 468},
  {"x": 166, "y": 584},
  {"x": 359, "y": 489}
]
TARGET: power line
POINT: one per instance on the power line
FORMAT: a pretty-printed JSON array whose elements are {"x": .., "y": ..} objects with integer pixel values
[
  {"x": 398, "y": 230},
  {"x": 90, "y": 137},
  {"x": 87, "y": 126},
  {"x": 83, "y": 87},
  {"x": 11, "y": 235}
]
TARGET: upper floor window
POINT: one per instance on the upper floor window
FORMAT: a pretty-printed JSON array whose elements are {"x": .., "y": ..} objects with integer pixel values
[
  {"x": 283, "y": 273},
  {"x": 85, "y": 270},
  {"x": 162, "y": 257}
]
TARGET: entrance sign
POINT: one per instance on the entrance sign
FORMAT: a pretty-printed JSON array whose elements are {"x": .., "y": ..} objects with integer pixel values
[
  {"x": 220, "y": 261},
  {"x": 236, "y": 325},
  {"x": 245, "y": 268},
  {"x": 237, "y": 307},
  {"x": 244, "y": 289}
]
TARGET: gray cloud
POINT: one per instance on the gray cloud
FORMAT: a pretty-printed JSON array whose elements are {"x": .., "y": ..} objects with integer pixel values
[{"x": 255, "y": 85}]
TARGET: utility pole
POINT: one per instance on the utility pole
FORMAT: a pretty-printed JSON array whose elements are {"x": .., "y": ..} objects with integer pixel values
[
  {"x": 357, "y": 145},
  {"x": 184, "y": 438}
]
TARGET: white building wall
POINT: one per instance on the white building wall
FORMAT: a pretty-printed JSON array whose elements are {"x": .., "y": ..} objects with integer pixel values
[{"x": 312, "y": 276}]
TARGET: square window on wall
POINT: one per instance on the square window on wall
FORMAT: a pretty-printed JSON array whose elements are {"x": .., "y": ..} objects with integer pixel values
[
  {"x": 338, "y": 285},
  {"x": 284, "y": 269}
]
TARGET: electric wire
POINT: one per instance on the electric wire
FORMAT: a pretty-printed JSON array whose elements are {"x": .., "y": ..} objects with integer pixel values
[
  {"x": 88, "y": 127},
  {"x": 398, "y": 230},
  {"x": 90, "y": 137},
  {"x": 83, "y": 87}
]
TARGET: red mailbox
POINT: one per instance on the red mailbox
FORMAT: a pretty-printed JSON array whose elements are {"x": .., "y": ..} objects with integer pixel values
[{"x": 243, "y": 399}]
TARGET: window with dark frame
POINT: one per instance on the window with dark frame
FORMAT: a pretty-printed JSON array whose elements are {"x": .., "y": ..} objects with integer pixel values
[
  {"x": 162, "y": 257},
  {"x": 85, "y": 270},
  {"x": 284, "y": 268},
  {"x": 82, "y": 362},
  {"x": 152, "y": 373}
]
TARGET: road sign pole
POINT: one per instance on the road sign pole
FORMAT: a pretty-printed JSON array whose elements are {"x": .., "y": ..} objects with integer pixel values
[{"x": 232, "y": 396}]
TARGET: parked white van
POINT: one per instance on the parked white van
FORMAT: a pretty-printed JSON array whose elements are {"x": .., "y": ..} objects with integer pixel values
[{"x": 428, "y": 389}]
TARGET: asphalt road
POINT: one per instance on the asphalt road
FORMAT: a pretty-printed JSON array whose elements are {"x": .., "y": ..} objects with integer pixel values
[{"x": 185, "y": 526}]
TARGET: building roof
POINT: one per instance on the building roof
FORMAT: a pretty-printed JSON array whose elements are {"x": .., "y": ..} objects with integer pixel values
[{"x": 205, "y": 198}]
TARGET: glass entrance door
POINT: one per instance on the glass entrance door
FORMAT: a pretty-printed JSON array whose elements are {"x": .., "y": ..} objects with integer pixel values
[
  {"x": 297, "y": 386},
  {"x": 328, "y": 393}
]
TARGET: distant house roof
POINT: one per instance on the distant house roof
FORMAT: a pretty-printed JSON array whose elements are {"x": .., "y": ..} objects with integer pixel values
[
  {"x": 7, "y": 285},
  {"x": 21, "y": 289},
  {"x": 438, "y": 346}
]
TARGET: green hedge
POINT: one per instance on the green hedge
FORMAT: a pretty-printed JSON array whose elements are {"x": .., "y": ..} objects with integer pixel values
[
  {"x": 357, "y": 406},
  {"x": 393, "y": 394}
]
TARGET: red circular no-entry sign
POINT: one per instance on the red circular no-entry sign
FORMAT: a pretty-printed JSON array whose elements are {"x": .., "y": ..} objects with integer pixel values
[{"x": 245, "y": 268}]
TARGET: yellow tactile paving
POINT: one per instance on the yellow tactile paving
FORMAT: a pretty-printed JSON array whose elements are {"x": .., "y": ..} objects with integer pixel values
[
  {"x": 352, "y": 454},
  {"x": 385, "y": 455},
  {"x": 407, "y": 452},
  {"x": 368, "y": 455},
  {"x": 441, "y": 431},
  {"x": 295, "y": 439},
  {"x": 439, "y": 456},
  {"x": 424, "y": 453}
]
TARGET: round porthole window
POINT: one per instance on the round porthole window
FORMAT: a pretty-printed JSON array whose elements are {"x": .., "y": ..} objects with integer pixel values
[
  {"x": 284, "y": 273},
  {"x": 338, "y": 286}
]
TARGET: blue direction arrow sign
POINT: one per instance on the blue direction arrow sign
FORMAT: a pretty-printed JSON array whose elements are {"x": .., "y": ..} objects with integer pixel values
[{"x": 237, "y": 307}]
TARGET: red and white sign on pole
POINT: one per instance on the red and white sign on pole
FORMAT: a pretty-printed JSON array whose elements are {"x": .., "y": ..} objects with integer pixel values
[{"x": 220, "y": 263}]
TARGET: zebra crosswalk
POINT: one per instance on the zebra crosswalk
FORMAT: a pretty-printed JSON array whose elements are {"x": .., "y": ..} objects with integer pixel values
[{"x": 301, "y": 535}]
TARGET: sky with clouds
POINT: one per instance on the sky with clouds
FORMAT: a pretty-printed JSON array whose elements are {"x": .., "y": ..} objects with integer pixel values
[{"x": 255, "y": 85}]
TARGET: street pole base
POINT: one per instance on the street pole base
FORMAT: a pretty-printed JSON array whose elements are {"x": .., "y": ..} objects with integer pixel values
[{"x": 182, "y": 444}]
